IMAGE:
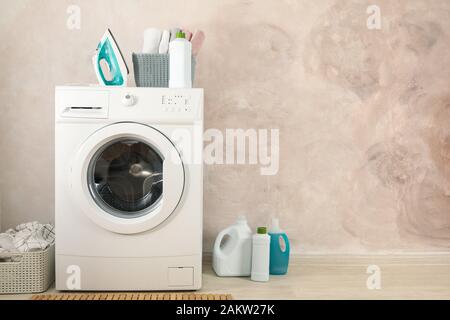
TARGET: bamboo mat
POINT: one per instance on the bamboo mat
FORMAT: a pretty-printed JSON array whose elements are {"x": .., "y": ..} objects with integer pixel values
[{"x": 132, "y": 296}]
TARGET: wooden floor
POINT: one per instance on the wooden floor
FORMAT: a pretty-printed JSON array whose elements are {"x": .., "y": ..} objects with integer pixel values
[{"x": 338, "y": 277}]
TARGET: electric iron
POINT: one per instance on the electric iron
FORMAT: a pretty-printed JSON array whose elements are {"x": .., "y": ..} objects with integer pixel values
[{"x": 109, "y": 56}]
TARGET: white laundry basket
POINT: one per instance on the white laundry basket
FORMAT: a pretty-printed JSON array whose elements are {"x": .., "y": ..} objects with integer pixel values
[{"x": 29, "y": 272}]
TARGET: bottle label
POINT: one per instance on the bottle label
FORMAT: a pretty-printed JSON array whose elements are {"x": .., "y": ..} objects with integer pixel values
[{"x": 282, "y": 243}]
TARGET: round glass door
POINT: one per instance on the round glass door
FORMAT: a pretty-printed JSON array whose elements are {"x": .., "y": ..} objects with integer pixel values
[{"x": 125, "y": 177}]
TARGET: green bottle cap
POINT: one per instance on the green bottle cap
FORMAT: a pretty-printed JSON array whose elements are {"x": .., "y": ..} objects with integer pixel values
[
  {"x": 261, "y": 230},
  {"x": 180, "y": 34}
]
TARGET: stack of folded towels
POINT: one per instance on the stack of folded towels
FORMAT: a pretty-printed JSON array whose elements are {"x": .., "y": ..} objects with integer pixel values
[
  {"x": 157, "y": 41},
  {"x": 26, "y": 237}
]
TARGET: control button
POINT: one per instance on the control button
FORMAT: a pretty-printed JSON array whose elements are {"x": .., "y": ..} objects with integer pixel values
[{"x": 128, "y": 100}]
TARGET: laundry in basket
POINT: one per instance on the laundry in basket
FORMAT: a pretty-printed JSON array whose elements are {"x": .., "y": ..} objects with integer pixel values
[
  {"x": 27, "y": 258},
  {"x": 26, "y": 237}
]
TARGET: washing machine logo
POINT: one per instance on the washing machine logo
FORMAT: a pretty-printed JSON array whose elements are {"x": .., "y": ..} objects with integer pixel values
[{"x": 73, "y": 281}]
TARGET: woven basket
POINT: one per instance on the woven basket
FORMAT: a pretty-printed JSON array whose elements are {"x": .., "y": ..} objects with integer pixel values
[
  {"x": 152, "y": 70},
  {"x": 31, "y": 272}
]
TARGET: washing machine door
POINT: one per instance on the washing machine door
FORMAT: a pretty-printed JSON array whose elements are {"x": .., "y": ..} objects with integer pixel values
[{"x": 128, "y": 177}]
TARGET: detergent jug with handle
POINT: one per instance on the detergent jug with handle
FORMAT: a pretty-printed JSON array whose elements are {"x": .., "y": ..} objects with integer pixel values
[
  {"x": 279, "y": 249},
  {"x": 233, "y": 250}
]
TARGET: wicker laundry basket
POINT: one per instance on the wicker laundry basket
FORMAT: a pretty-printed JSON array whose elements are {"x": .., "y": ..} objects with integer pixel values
[
  {"x": 29, "y": 272},
  {"x": 152, "y": 69}
]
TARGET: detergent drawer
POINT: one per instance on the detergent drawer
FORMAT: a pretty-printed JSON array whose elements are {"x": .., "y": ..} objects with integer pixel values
[{"x": 79, "y": 103}]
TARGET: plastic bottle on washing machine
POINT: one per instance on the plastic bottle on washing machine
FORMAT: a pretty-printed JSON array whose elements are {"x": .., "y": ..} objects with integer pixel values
[
  {"x": 233, "y": 250},
  {"x": 180, "y": 55}
]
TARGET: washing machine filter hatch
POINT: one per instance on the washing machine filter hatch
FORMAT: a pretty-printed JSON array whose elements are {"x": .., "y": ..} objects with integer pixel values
[{"x": 125, "y": 177}]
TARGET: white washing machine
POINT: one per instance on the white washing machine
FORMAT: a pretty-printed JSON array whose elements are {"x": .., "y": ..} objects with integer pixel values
[{"x": 129, "y": 188}]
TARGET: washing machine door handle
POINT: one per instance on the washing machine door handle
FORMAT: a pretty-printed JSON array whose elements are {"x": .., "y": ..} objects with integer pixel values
[
  {"x": 173, "y": 178},
  {"x": 172, "y": 189}
]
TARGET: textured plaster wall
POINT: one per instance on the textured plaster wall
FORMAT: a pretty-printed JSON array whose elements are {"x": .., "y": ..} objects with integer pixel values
[{"x": 364, "y": 115}]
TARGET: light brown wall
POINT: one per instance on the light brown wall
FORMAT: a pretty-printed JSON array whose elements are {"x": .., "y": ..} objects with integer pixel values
[{"x": 363, "y": 114}]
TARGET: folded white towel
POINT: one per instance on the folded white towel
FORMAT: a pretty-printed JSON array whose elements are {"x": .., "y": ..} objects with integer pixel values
[
  {"x": 164, "y": 44},
  {"x": 152, "y": 37}
]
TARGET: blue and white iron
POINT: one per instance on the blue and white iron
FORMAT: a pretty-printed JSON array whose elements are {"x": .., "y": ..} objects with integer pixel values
[{"x": 108, "y": 55}]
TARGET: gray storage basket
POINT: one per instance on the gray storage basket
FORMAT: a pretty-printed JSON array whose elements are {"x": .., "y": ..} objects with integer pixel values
[
  {"x": 152, "y": 69},
  {"x": 32, "y": 272}
]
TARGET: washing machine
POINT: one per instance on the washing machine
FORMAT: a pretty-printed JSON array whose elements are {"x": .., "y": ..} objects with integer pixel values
[{"x": 128, "y": 188}]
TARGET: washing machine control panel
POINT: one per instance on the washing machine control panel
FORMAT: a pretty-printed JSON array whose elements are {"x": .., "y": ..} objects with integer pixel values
[
  {"x": 160, "y": 104},
  {"x": 130, "y": 104},
  {"x": 177, "y": 103}
]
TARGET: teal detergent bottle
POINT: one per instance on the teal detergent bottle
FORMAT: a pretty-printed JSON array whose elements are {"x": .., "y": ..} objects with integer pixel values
[{"x": 279, "y": 249}]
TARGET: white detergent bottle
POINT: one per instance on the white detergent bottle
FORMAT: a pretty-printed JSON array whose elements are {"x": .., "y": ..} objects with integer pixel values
[
  {"x": 233, "y": 250},
  {"x": 180, "y": 60},
  {"x": 260, "y": 255}
]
